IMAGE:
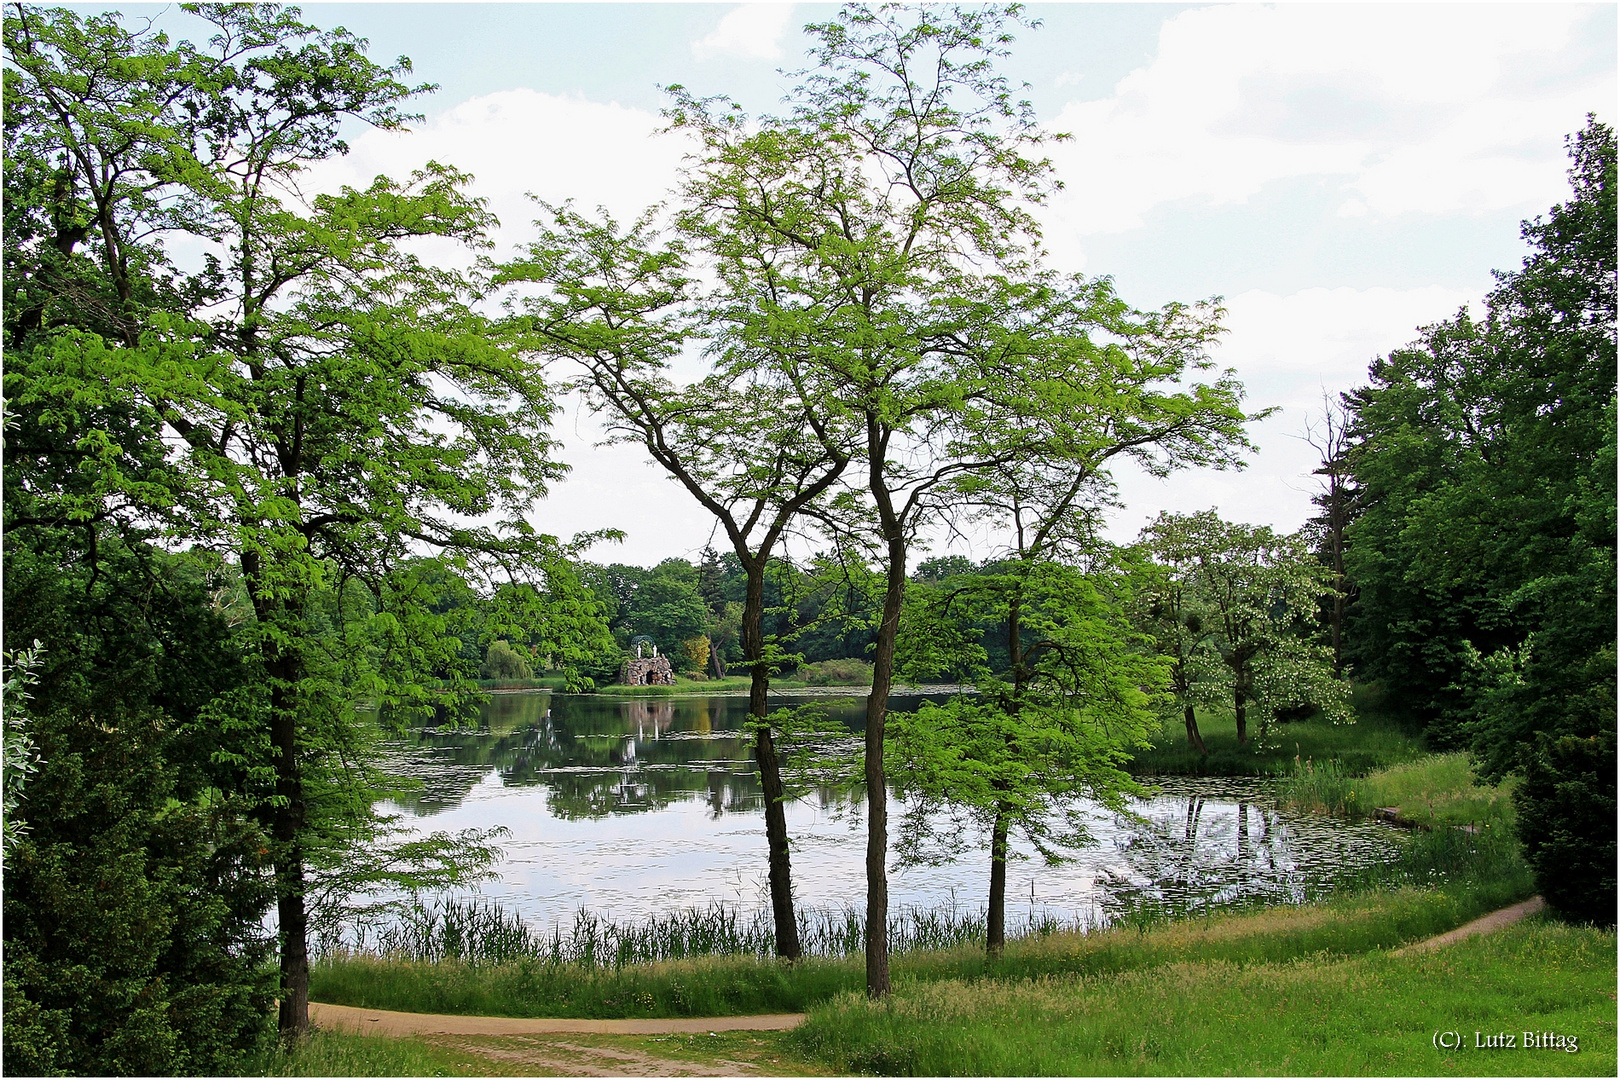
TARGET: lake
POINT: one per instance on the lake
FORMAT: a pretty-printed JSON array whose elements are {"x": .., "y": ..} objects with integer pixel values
[{"x": 633, "y": 807}]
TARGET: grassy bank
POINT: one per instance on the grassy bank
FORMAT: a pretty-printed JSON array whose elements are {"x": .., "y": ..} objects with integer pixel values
[
  {"x": 1370, "y": 1014},
  {"x": 1436, "y": 791},
  {"x": 1375, "y": 741},
  {"x": 1444, "y": 879},
  {"x": 1293, "y": 991},
  {"x": 685, "y": 686}
]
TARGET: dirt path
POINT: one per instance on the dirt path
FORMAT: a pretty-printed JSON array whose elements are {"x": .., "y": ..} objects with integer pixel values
[
  {"x": 507, "y": 1046},
  {"x": 386, "y": 1022},
  {"x": 1494, "y": 921}
]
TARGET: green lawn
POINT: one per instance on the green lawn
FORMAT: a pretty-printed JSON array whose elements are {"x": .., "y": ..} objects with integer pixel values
[
  {"x": 1374, "y": 741},
  {"x": 1371, "y": 1014}
]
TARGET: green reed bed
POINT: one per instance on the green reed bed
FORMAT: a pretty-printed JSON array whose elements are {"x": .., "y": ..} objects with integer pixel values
[
  {"x": 1367, "y": 1014},
  {"x": 478, "y": 932}
]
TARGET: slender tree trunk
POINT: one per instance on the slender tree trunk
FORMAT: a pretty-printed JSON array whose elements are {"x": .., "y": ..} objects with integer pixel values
[
  {"x": 770, "y": 769},
  {"x": 1194, "y": 739},
  {"x": 1338, "y": 629},
  {"x": 877, "y": 789},
  {"x": 284, "y": 669},
  {"x": 995, "y": 938},
  {"x": 286, "y": 829},
  {"x": 1239, "y": 706}
]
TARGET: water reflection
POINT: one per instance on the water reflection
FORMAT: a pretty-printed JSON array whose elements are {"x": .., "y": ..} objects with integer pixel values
[
  {"x": 629, "y": 807},
  {"x": 601, "y": 755}
]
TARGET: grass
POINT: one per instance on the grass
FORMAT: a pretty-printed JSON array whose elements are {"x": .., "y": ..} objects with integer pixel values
[
  {"x": 479, "y": 932},
  {"x": 685, "y": 686},
  {"x": 562, "y": 1054},
  {"x": 335, "y": 1053},
  {"x": 1375, "y": 741},
  {"x": 1436, "y": 791},
  {"x": 1187, "y": 1006},
  {"x": 1370, "y": 1014}
]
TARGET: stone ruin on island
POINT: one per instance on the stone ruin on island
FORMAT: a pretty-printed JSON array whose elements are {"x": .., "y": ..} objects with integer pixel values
[{"x": 651, "y": 670}]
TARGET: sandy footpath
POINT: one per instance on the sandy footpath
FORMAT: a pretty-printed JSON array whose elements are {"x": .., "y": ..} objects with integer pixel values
[{"x": 1494, "y": 921}]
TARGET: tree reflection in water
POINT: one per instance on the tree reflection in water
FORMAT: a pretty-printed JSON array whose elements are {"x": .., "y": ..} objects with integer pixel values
[{"x": 649, "y": 763}]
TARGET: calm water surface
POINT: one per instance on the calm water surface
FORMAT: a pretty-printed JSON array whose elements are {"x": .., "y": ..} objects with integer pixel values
[{"x": 633, "y": 807}]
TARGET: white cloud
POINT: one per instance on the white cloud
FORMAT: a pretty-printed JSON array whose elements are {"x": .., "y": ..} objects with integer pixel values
[
  {"x": 1288, "y": 351},
  {"x": 749, "y": 31},
  {"x": 1433, "y": 109},
  {"x": 519, "y": 141}
]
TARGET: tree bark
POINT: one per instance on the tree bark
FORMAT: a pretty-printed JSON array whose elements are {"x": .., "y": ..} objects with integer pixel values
[
  {"x": 287, "y": 815},
  {"x": 1194, "y": 739},
  {"x": 877, "y": 790},
  {"x": 770, "y": 769},
  {"x": 995, "y": 938},
  {"x": 1240, "y": 706},
  {"x": 996, "y": 920}
]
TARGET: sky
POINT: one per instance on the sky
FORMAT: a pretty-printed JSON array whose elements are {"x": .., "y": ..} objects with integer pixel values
[{"x": 1340, "y": 175}]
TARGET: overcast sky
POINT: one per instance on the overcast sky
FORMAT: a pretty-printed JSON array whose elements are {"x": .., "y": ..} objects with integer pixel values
[{"x": 1341, "y": 175}]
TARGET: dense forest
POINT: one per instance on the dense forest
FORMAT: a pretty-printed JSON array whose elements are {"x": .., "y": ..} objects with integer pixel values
[{"x": 248, "y": 490}]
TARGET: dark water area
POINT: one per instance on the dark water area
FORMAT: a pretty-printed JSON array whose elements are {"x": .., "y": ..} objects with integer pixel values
[{"x": 633, "y": 807}]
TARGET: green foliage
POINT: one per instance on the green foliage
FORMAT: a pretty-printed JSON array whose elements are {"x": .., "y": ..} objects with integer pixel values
[
  {"x": 1062, "y": 724},
  {"x": 1232, "y": 608},
  {"x": 1497, "y": 437},
  {"x": 501, "y": 661},
  {"x": 314, "y": 403},
  {"x": 21, "y": 759},
  {"x": 850, "y": 672},
  {"x": 133, "y": 942},
  {"x": 1566, "y": 808}
]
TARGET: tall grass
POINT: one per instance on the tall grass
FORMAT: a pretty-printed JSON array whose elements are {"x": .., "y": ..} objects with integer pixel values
[
  {"x": 1435, "y": 791},
  {"x": 474, "y": 931},
  {"x": 337, "y": 1053}
]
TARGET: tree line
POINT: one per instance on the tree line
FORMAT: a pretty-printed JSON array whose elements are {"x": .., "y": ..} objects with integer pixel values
[
  {"x": 263, "y": 462},
  {"x": 1468, "y": 515}
]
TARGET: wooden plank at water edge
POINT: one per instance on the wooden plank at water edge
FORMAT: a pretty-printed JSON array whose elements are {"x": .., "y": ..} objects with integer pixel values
[{"x": 388, "y": 1022}]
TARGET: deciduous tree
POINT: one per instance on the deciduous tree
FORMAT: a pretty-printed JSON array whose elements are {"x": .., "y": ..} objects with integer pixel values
[
  {"x": 314, "y": 399},
  {"x": 1259, "y": 593}
]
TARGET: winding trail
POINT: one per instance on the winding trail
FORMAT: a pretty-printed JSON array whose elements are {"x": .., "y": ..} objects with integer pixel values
[{"x": 1484, "y": 925}]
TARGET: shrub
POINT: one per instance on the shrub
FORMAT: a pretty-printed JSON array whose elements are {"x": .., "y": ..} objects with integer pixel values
[
  {"x": 132, "y": 936},
  {"x": 1566, "y": 807},
  {"x": 845, "y": 672},
  {"x": 502, "y": 661}
]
